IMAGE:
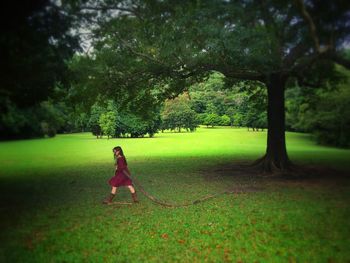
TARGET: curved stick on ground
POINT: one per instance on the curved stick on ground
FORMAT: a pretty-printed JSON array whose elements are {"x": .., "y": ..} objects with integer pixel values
[{"x": 197, "y": 201}]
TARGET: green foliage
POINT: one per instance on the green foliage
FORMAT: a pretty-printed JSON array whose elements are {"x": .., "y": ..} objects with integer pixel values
[
  {"x": 177, "y": 114},
  {"x": 81, "y": 121},
  {"x": 209, "y": 95},
  {"x": 251, "y": 105},
  {"x": 36, "y": 41},
  {"x": 212, "y": 119},
  {"x": 44, "y": 119},
  {"x": 323, "y": 112},
  {"x": 238, "y": 119},
  {"x": 107, "y": 122},
  {"x": 128, "y": 123},
  {"x": 95, "y": 113},
  {"x": 225, "y": 120},
  {"x": 108, "y": 118},
  {"x": 330, "y": 121},
  {"x": 230, "y": 112},
  {"x": 35, "y": 44},
  {"x": 179, "y": 42},
  {"x": 245, "y": 100}
]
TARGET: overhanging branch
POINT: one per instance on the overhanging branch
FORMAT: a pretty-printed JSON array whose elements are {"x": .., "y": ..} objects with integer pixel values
[
  {"x": 229, "y": 72},
  {"x": 313, "y": 30},
  {"x": 139, "y": 54},
  {"x": 300, "y": 4},
  {"x": 294, "y": 54},
  {"x": 245, "y": 75}
]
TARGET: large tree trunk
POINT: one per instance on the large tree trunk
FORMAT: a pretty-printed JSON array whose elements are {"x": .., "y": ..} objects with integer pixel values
[{"x": 276, "y": 157}]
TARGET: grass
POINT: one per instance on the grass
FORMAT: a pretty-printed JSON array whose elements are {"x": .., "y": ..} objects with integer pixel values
[{"x": 51, "y": 192}]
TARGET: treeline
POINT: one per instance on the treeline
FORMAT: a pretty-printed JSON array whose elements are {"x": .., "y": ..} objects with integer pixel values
[
  {"x": 323, "y": 112},
  {"x": 110, "y": 120},
  {"x": 243, "y": 104},
  {"x": 208, "y": 103},
  {"x": 36, "y": 43}
]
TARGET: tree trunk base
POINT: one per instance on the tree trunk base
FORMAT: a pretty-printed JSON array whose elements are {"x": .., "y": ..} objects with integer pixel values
[{"x": 269, "y": 166}]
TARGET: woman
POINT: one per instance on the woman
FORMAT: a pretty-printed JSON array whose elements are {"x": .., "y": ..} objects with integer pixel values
[{"x": 121, "y": 177}]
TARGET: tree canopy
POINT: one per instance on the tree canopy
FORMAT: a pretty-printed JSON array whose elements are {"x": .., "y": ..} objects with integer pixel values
[{"x": 35, "y": 41}]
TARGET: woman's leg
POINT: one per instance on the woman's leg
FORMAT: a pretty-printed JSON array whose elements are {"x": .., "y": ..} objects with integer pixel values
[
  {"x": 133, "y": 193},
  {"x": 109, "y": 199},
  {"x": 131, "y": 188}
]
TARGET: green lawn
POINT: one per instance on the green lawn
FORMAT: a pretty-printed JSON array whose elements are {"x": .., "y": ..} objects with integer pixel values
[{"x": 51, "y": 192}]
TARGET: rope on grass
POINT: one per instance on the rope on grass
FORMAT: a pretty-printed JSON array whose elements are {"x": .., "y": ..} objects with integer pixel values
[{"x": 197, "y": 201}]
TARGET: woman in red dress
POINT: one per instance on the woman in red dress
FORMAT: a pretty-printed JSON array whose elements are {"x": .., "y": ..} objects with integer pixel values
[{"x": 121, "y": 177}]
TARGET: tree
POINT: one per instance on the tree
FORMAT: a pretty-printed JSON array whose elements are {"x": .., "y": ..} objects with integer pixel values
[
  {"x": 178, "y": 114},
  {"x": 109, "y": 118},
  {"x": 225, "y": 120},
  {"x": 270, "y": 41},
  {"x": 94, "y": 120},
  {"x": 230, "y": 112},
  {"x": 323, "y": 112},
  {"x": 45, "y": 119},
  {"x": 252, "y": 105},
  {"x": 332, "y": 123},
  {"x": 52, "y": 118},
  {"x": 108, "y": 122},
  {"x": 35, "y": 42},
  {"x": 210, "y": 95},
  {"x": 133, "y": 125},
  {"x": 212, "y": 119}
]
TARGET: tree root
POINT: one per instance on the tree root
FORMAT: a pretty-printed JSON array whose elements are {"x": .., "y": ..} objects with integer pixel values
[{"x": 268, "y": 166}]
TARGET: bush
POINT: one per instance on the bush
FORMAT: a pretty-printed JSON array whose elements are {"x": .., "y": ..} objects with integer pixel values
[
  {"x": 212, "y": 119},
  {"x": 225, "y": 120},
  {"x": 330, "y": 122},
  {"x": 108, "y": 123},
  {"x": 177, "y": 114},
  {"x": 130, "y": 124}
]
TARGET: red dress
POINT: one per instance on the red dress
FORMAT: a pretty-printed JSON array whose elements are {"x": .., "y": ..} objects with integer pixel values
[{"x": 120, "y": 179}]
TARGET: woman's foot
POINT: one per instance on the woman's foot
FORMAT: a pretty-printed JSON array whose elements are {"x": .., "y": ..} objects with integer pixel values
[
  {"x": 109, "y": 199},
  {"x": 134, "y": 197}
]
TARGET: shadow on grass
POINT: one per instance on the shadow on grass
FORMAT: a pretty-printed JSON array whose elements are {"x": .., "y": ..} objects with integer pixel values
[
  {"x": 26, "y": 195},
  {"x": 304, "y": 177}
]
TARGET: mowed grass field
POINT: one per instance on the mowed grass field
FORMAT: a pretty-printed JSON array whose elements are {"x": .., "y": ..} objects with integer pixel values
[{"x": 51, "y": 192}]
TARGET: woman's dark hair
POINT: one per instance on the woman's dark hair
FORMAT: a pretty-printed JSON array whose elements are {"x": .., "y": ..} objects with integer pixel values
[{"x": 118, "y": 148}]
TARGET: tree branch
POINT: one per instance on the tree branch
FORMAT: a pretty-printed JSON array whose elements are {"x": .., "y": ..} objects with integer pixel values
[
  {"x": 234, "y": 73},
  {"x": 307, "y": 62},
  {"x": 294, "y": 54},
  {"x": 300, "y": 4},
  {"x": 139, "y": 54}
]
